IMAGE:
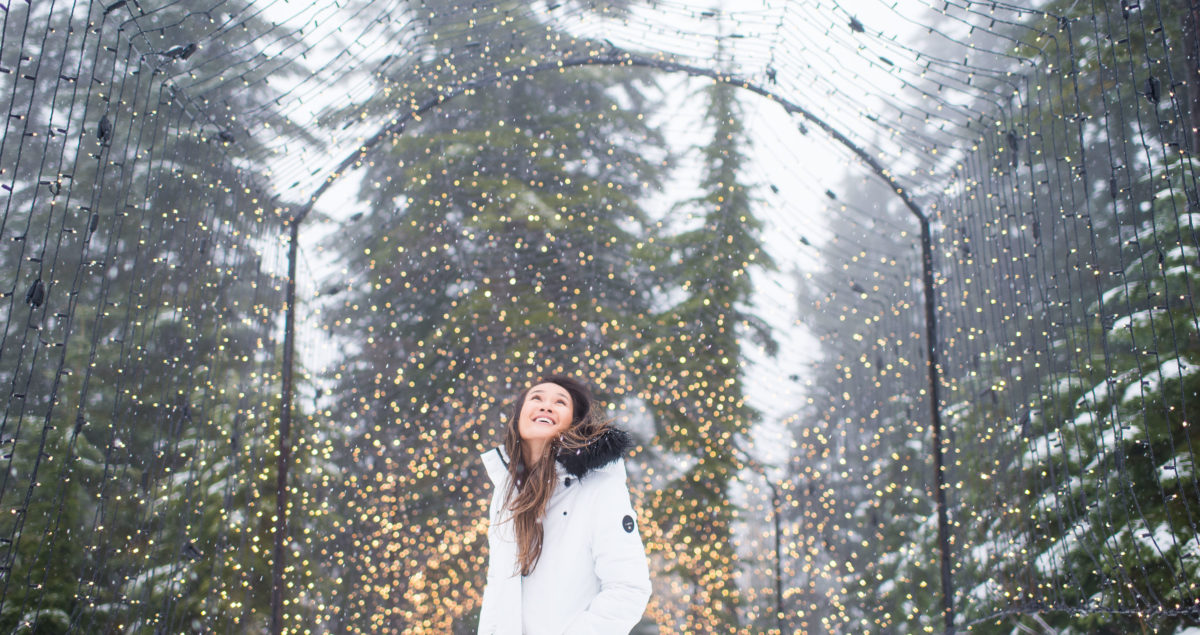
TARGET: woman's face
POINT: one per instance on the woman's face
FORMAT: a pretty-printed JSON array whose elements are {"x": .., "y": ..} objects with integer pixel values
[{"x": 546, "y": 413}]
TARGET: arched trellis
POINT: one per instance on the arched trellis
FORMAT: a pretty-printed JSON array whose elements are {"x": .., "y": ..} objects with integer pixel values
[{"x": 610, "y": 57}]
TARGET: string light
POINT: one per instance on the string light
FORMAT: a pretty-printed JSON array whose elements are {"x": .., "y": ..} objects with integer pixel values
[{"x": 485, "y": 192}]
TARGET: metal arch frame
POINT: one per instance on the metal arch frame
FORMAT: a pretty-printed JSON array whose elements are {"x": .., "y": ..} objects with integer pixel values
[{"x": 610, "y": 57}]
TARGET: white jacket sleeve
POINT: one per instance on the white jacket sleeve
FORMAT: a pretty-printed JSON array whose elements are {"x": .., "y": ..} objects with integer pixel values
[
  {"x": 620, "y": 561},
  {"x": 501, "y": 610}
]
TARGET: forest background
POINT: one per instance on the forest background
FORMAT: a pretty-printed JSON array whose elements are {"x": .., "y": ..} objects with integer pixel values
[{"x": 756, "y": 325}]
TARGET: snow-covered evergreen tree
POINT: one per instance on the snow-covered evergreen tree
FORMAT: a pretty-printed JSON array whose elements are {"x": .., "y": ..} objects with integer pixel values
[
  {"x": 1109, "y": 462},
  {"x": 696, "y": 365}
]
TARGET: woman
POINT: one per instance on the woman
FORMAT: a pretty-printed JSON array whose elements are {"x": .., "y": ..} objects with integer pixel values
[{"x": 565, "y": 554}]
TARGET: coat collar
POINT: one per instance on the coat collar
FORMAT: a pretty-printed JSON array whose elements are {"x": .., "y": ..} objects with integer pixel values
[
  {"x": 495, "y": 461},
  {"x": 611, "y": 445}
]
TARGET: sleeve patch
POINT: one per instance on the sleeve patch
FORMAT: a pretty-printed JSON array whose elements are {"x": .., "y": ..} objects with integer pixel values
[{"x": 627, "y": 524}]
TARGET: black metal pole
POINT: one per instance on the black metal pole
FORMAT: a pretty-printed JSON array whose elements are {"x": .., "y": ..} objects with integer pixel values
[
  {"x": 285, "y": 429},
  {"x": 935, "y": 415},
  {"x": 778, "y": 558}
]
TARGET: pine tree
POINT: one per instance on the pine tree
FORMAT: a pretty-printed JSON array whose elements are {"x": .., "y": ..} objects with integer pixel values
[
  {"x": 696, "y": 380},
  {"x": 1110, "y": 454},
  {"x": 149, "y": 300},
  {"x": 863, "y": 460},
  {"x": 497, "y": 245},
  {"x": 1035, "y": 391}
]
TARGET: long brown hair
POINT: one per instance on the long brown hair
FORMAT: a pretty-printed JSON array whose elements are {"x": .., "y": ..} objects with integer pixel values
[{"x": 530, "y": 487}]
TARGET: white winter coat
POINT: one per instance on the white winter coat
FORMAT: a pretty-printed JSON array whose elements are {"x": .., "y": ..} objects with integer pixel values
[{"x": 592, "y": 577}]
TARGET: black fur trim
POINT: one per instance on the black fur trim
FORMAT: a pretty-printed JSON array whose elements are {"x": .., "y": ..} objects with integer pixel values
[{"x": 611, "y": 445}]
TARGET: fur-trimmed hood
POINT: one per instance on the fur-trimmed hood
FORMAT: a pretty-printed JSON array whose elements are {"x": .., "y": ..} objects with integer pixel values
[
  {"x": 612, "y": 444},
  {"x": 604, "y": 450}
]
